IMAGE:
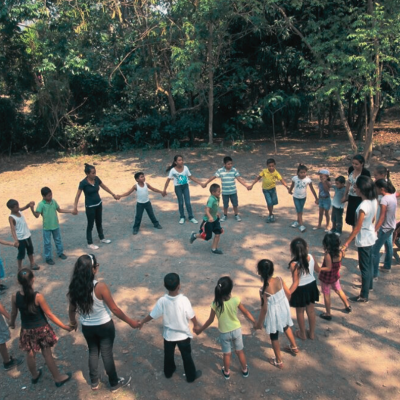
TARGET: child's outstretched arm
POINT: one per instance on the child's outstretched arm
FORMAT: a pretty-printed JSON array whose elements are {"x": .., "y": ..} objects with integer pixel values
[
  {"x": 13, "y": 231},
  {"x": 4, "y": 312},
  {"x": 328, "y": 264},
  {"x": 243, "y": 182},
  {"x": 198, "y": 181},
  {"x": 196, "y": 324},
  {"x": 78, "y": 195},
  {"x": 263, "y": 313},
  {"x": 35, "y": 213},
  {"x": 104, "y": 187},
  {"x": 346, "y": 193},
  {"x": 31, "y": 204},
  {"x": 46, "y": 309},
  {"x": 14, "y": 311},
  {"x": 286, "y": 290},
  {"x": 155, "y": 190},
  {"x": 257, "y": 178},
  {"x": 130, "y": 191},
  {"x": 284, "y": 184},
  {"x": 209, "y": 180},
  {"x": 199, "y": 329},
  {"x": 290, "y": 190},
  {"x": 246, "y": 313},
  {"x": 7, "y": 243},
  {"x": 166, "y": 185},
  {"x": 207, "y": 211},
  {"x": 144, "y": 321}
]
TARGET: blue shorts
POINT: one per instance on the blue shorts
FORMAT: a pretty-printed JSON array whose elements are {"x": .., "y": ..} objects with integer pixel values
[
  {"x": 325, "y": 203},
  {"x": 232, "y": 197},
  {"x": 270, "y": 196},
  {"x": 231, "y": 340},
  {"x": 299, "y": 204}
]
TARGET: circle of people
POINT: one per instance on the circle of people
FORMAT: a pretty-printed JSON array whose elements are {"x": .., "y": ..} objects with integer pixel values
[{"x": 372, "y": 228}]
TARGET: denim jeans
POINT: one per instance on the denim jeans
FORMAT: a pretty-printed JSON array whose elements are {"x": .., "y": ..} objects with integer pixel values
[
  {"x": 94, "y": 214},
  {"x": 140, "y": 207},
  {"x": 186, "y": 353},
  {"x": 100, "y": 339},
  {"x": 337, "y": 219},
  {"x": 182, "y": 192},
  {"x": 366, "y": 269},
  {"x": 47, "y": 242},
  {"x": 384, "y": 238}
]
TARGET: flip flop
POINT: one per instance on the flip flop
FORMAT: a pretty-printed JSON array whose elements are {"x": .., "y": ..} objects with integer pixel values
[
  {"x": 292, "y": 350},
  {"x": 276, "y": 364},
  {"x": 297, "y": 334},
  {"x": 325, "y": 316}
]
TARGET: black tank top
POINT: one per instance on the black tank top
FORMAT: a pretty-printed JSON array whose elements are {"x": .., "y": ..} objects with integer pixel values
[{"x": 29, "y": 320}]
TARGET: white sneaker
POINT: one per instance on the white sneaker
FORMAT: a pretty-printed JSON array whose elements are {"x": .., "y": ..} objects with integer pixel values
[
  {"x": 106, "y": 241},
  {"x": 182, "y": 221},
  {"x": 302, "y": 228},
  {"x": 223, "y": 218},
  {"x": 382, "y": 258},
  {"x": 237, "y": 217},
  {"x": 295, "y": 224},
  {"x": 194, "y": 221},
  {"x": 92, "y": 246}
]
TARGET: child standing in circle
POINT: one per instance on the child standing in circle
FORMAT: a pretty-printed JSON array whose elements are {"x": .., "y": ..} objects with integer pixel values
[
  {"x": 304, "y": 291},
  {"x": 299, "y": 184},
  {"x": 275, "y": 311},
  {"x": 180, "y": 174},
  {"x": 337, "y": 205},
  {"x": 90, "y": 186},
  {"x": 329, "y": 274},
  {"x": 36, "y": 333},
  {"x": 228, "y": 173},
  {"x": 269, "y": 178},
  {"x": 225, "y": 307},
  {"x": 324, "y": 198}
]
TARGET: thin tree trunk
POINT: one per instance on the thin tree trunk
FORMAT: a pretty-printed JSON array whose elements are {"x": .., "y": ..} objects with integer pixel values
[
  {"x": 210, "y": 84},
  {"x": 345, "y": 123}
]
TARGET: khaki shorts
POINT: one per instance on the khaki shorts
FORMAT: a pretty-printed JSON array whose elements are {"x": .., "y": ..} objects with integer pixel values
[{"x": 231, "y": 339}]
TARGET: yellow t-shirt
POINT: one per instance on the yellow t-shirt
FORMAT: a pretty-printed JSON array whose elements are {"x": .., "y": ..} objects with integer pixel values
[
  {"x": 269, "y": 179},
  {"x": 228, "y": 320}
]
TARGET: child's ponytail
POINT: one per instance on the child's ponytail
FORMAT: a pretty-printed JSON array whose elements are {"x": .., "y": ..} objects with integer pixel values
[
  {"x": 173, "y": 165},
  {"x": 88, "y": 168},
  {"x": 222, "y": 292},
  {"x": 25, "y": 277},
  {"x": 265, "y": 268},
  {"x": 299, "y": 251}
]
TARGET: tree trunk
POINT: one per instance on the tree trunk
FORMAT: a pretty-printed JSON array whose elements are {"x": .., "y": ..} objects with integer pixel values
[
  {"x": 332, "y": 117},
  {"x": 345, "y": 123},
  {"x": 210, "y": 84}
]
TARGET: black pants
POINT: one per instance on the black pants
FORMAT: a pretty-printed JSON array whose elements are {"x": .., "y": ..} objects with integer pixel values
[
  {"x": 100, "y": 339},
  {"x": 275, "y": 336},
  {"x": 186, "y": 353},
  {"x": 140, "y": 207},
  {"x": 94, "y": 214},
  {"x": 366, "y": 269},
  {"x": 25, "y": 246},
  {"x": 337, "y": 219}
]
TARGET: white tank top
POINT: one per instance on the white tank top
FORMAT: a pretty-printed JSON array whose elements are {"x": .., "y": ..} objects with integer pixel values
[
  {"x": 142, "y": 194},
  {"x": 100, "y": 313},
  {"x": 305, "y": 279},
  {"x": 21, "y": 228}
]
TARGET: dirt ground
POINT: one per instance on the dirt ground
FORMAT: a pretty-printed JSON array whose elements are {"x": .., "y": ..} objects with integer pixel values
[{"x": 354, "y": 356}]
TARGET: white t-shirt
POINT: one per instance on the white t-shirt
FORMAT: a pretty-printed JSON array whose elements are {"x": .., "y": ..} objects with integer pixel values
[
  {"x": 21, "y": 228},
  {"x": 180, "y": 178},
  {"x": 300, "y": 187},
  {"x": 367, "y": 235},
  {"x": 176, "y": 312},
  {"x": 390, "y": 201},
  {"x": 142, "y": 193}
]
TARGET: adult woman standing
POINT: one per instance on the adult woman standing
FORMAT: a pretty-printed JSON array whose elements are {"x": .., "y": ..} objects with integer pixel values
[
  {"x": 357, "y": 169},
  {"x": 93, "y": 204},
  {"x": 93, "y": 301},
  {"x": 364, "y": 233}
]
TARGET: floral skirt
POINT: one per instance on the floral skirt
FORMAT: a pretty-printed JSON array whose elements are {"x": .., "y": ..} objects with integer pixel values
[{"x": 37, "y": 339}]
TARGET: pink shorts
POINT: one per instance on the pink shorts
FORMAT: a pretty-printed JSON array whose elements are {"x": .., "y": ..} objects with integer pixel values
[{"x": 326, "y": 287}]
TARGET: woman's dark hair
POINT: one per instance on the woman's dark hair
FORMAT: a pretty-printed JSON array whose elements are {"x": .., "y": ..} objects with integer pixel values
[
  {"x": 298, "y": 249},
  {"x": 25, "y": 277},
  {"x": 222, "y": 291},
  {"x": 331, "y": 244},
  {"x": 386, "y": 185},
  {"x": 359, "y": 158},
  {"x": 367, "y": 187},
  {"x": 88, "y": 168},
  {"x": 80, "y": 290},
  {"x": 301, "y": 167},
  {"x": 173, "y": 165},
  {"x": 265, "y": 268}
]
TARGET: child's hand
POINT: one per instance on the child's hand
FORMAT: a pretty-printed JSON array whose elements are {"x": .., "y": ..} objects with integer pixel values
[
  {"x": 116, "y": 196},
  {"x": 203, "y": 185},
  {"x": 317, "y": 202},
  {"x": 74, "y": 212},
  {"x": 249, "y": 187},
  {"x": 11, "y": 326},
  {"x": 197, "y": 330},
  {"x": 16, "y": 244},
  {"x": 31, "y": 204},
  {"x": 164, "y": 193}
]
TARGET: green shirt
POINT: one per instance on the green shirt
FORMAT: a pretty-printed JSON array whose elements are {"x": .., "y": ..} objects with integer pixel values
[
  {"x": 228, "y": 320},
  {"x": 213, "y": 205},
  {"x": 49, "y": 214}
]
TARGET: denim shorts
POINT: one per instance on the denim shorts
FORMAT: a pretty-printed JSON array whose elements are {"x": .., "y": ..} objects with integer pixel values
[
  {"x": 232, "y": 197},
  {"x": 270, "y": 196},
  {"x": 325, "y": 203},
  {"x": 299, "y": 204},
  {"x": 231, "y": 339}
]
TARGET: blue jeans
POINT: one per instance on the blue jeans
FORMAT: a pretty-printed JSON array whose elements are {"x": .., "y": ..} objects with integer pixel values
[
  {"x": 384, "y": 238},
  {"x": 47, "y": 242},
  {"x": 182, "y": 192}
]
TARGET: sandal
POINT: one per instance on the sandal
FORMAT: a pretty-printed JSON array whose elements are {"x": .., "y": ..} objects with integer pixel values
[
  {"x": 36, "y": 380},
  {"x": 275, "y": 363},
  {"x": 325, "y": 316},
  {"x": 298, "y": 335},
  {"x": 292, "y": 350}
]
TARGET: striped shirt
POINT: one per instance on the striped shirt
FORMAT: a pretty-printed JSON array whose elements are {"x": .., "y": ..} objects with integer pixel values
[{"x": 228, "y": 179}]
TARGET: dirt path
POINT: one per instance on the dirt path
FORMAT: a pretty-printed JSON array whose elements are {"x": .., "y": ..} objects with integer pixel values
[{"x": 353, "y": 357}]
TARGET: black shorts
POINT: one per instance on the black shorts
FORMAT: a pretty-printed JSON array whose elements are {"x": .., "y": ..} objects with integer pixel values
[
  {"x": 27, "y": 245},
  {"x": 207, "y": 229}
]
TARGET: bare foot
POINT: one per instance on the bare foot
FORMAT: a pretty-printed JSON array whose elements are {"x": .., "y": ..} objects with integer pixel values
[
  {"x": 299, "y": 335},
  {"x": 309, "y": 336}
]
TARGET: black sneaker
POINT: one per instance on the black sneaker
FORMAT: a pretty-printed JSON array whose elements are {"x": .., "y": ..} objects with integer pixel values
[
  {"x": 14, "y": 362},
  {"x": 216, "y": 251},
  {"x": 135, "y": 231},
  {"x": 122, "y": 382},
  {"x": 63, "y": 256},
  {"x": 192, "y": 237},
  {"x": 358, "y": 299},
  {"x": 197, "y": 376},
  {"x": 49, "y": 261},
  {"x": 3, "y": 287},
  {"x": 158, "y": 226},
  {"x": 36, "y": 267},
  {"x": 348, "y": 309},
  {"x": 36, "y": 380}
]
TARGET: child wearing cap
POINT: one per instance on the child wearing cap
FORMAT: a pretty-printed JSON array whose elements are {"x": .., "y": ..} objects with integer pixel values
[{"x": 324, "y": 198}]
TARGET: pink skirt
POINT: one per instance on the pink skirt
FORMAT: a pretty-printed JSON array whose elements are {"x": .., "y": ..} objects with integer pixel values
[{"x": 37, "y": 339}]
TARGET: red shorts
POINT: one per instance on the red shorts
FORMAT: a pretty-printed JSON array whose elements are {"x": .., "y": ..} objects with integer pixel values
[{"x": 326, "y": 287}]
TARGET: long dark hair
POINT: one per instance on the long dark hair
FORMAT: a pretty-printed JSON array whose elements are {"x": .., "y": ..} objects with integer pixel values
[
  {"x": 173, "y": 165},
  {"x": 88, "y": 168},
  {"x": 221, "y": 292},
  {"x": 367, "y": 187},
  {"x": 298, "y": 249},
  {"x": 331, "y": 244},
  {"x": 80, "y": 290},
  {"x": 385, "y": 183},
  {"x": 360, "y": 159},
  {"x": 265, "y": 268},
  {"x": 25, "y": 277}
]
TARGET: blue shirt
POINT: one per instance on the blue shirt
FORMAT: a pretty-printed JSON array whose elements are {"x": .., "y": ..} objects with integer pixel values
[{"x": 228, "y": 179}]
